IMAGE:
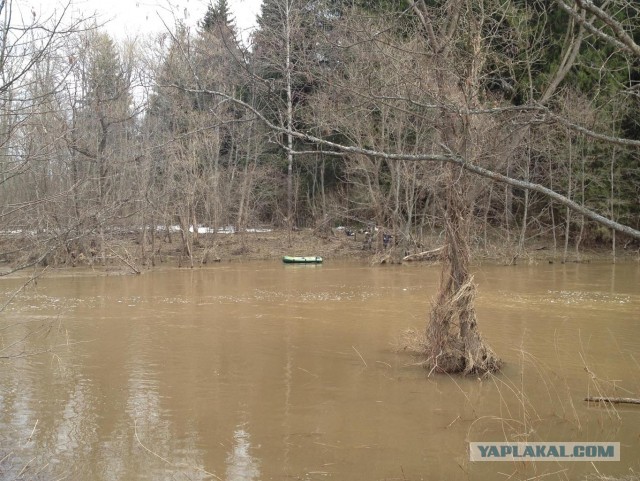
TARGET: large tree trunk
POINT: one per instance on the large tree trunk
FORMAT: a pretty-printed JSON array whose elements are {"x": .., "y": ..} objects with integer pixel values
[
  {"x": 454, "y": 343},
  {"x": 288, "y": 67}
]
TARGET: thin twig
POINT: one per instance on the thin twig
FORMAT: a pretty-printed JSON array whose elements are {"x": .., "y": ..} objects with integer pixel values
[
  {"x": 13, "y": 296},
  {"x": 26, "y": 467},
  {"x": 365, "y": 362},
  {"x": 451, "y": 423},
  {"x": 32, "y": 431},
  {"x": 135, "y": 430}
]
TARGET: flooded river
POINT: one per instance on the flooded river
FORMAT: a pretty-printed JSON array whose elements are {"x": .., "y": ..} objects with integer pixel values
[{"x": 264, "y": 371}]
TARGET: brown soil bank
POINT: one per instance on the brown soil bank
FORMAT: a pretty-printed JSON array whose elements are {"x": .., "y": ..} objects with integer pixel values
[
  {"x": 274, "y": 244},
  {"x": 125, "y": 251}
]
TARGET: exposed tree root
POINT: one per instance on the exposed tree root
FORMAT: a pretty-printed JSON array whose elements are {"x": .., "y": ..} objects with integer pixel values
[
  {"x": 453, "y": 341},
  {"x": 454, "y": 344}
]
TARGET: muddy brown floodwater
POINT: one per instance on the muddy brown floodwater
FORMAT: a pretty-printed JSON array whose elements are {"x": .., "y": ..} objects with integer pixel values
[{"x": 264, "y": 371}]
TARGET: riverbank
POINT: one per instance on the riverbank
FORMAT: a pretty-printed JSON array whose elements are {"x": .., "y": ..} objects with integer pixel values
[
  {"x": 124, "y": 252},
  {"x": 337, "y": 245}
]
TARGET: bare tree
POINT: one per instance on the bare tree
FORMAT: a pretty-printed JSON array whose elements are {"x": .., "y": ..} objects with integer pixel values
[
  {"x": 473, "y": 133},
  {"x": 33, "y": 184}
]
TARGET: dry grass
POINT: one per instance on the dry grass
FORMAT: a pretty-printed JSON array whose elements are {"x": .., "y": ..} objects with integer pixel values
[
  {"x": 536, "y": 402},
  {"x": 604, "y": 477},
  {"x": 412, "y": 341}
]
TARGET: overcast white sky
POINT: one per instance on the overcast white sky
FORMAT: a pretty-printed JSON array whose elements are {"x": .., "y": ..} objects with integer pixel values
[{"x": 133, "y": 17}]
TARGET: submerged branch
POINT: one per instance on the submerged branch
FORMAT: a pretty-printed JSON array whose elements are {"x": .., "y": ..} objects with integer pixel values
[{"x": 613, "y": 400}]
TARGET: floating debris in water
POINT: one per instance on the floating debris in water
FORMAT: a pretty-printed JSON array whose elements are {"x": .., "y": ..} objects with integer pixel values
[{"x": 579, "y": 297}]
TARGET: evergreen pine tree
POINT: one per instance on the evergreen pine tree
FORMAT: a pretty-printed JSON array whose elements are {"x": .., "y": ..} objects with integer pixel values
[{"x": 217, "y": 16}]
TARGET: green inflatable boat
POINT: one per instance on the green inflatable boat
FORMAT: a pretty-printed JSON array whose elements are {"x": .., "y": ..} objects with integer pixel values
[{"x": 302, "y": 260}]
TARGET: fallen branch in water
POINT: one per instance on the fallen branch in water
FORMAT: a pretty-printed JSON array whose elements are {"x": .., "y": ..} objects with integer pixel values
[
  {"x": 131, "y": 265},
  {"x": 424, "y": 256},
  {"x": 613, "y": 400}
]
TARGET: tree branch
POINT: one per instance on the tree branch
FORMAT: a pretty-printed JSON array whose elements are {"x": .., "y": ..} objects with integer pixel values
[
  {"x": 451, "y": 158},
  {"x": 614, "y": 25},
  {"x": 426, "y": 23},
  {"x": 592, "y": 29},
  {"x": 591, "y": 133}
]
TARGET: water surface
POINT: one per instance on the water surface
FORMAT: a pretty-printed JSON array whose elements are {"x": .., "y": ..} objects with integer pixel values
[{"x": 264, "y": 371}]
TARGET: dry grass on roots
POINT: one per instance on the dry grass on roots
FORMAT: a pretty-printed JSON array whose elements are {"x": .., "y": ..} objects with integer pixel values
[
  {"x": 412, "y": 341},
  {"x": 452, "y": 343}
]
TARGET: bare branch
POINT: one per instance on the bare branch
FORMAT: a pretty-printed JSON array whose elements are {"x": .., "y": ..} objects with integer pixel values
[
  {"x": 591, "y": 28},
  {"x": 450, "y": 158},
  {"x": 613, "y": 24},
  {"x": 423, "y": 16},
  {"x": 590, "y": 133}
]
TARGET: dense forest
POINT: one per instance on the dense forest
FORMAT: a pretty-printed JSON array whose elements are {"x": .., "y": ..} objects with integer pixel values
[{"x": 338, "y": 112}]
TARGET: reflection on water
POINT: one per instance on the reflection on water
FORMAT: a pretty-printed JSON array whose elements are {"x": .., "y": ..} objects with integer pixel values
[
  {"x": 241, "y": 466},
  {"x": 258, "y": 371}
]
